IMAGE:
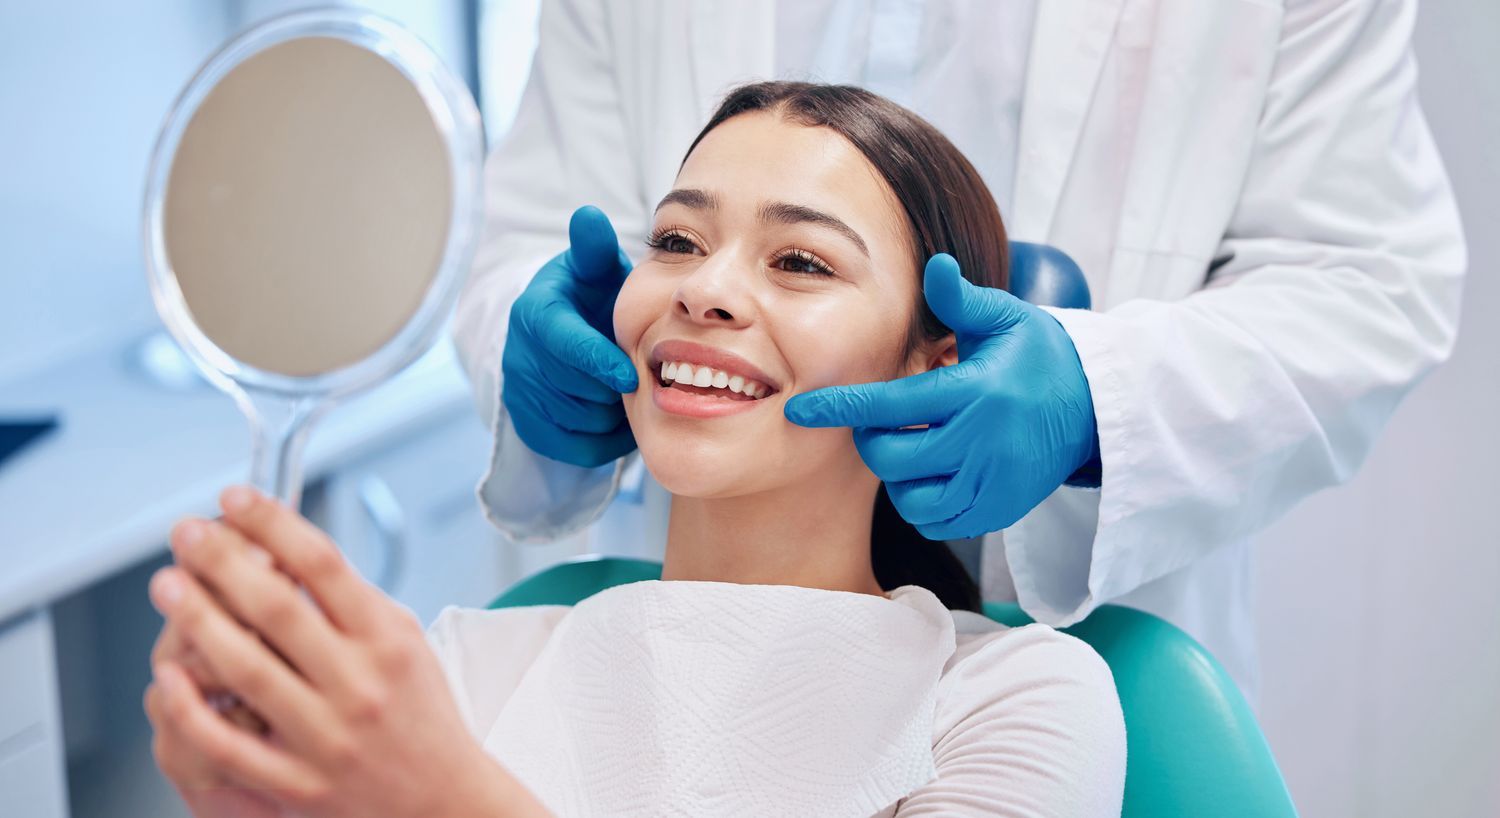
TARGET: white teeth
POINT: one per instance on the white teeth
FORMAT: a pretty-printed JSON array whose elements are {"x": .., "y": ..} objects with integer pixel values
[{"x": 704, "y": 376}]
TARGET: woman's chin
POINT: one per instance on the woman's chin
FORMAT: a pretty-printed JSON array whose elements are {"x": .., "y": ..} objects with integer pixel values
[
  {"x": 706, "y": 475},
  {"x": 704, "y": 458}
]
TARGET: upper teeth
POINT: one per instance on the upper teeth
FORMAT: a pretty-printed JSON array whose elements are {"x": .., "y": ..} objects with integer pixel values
[{"x": 686, "y": 373}]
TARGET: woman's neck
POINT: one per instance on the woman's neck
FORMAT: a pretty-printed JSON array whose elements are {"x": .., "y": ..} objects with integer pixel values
[{"x": 813, "y": 536}]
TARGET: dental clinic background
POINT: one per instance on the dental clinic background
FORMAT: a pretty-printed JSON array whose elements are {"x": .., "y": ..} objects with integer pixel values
[{"x": 1378, "y": 602}]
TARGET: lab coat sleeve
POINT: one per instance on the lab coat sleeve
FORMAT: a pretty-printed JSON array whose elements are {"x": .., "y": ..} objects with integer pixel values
[
  {"x": 1218, "y": 412},
  {"x": 1028, "y": 725},
  {"x": 567, "y": 147}
]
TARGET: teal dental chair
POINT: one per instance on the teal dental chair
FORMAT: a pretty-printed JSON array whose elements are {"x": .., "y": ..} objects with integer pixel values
[{"x": 1194, "y": 748}]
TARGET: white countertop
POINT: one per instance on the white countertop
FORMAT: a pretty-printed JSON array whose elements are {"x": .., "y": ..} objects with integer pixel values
[{"x": 130, "y": 457}]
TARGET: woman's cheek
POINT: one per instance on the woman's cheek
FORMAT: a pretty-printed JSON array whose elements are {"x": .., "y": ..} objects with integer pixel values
[
  {"x": 857, "y": 358},
  {"x": 629, "y": 318}
]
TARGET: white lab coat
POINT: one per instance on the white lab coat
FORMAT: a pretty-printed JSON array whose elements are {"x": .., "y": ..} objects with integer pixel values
[{"x": 1249, "y": 186}]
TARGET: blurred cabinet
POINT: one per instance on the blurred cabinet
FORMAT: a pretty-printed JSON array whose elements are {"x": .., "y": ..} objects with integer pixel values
[{"x": 32, "y": 771}]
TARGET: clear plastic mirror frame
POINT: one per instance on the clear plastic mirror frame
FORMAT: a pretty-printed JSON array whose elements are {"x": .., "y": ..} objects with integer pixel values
[{"x": 281, "y": 408}]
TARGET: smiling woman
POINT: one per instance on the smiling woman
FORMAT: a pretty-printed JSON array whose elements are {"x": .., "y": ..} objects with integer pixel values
[
  {"x": 795, "y": 658},
  {"x": 794, "y": 238}
]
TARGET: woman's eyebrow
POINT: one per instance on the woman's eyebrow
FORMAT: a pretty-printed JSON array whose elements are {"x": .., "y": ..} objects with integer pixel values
[
  {"x": 770, "y": 212},
  {"x": 691, "y": 198},
  {"x": 788, "y": 213}
]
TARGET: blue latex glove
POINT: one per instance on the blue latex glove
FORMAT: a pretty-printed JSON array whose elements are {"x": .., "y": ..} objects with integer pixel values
[
  {"x": 1006, "y": 425},
  {"x": 562, "y": 373}
]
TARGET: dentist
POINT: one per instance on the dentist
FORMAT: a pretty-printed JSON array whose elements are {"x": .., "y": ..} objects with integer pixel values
[{"x": 1250, "y": 188}]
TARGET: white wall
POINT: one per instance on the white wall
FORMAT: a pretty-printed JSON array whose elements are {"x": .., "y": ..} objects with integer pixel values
[
  {"x": 83, "y": 90},
  {"x": 1380, "y": 601},
  {"x": 442, "y": 24}
]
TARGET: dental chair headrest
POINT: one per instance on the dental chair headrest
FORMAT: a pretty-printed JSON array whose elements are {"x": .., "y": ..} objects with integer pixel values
[{"x": 1046, "y": 276}]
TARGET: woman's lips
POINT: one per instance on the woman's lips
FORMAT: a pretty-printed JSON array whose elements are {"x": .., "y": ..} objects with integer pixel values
[
  {"x": 699, "y": 381},
  {"x": 697, "y": 402},
  {"x": 698, "y": 355}
]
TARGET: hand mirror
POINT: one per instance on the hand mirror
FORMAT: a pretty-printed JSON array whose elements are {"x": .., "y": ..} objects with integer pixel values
[{"x": 310, "y": 213}]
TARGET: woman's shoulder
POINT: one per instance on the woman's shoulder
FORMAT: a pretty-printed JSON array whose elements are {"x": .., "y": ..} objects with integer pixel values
[
  {"x": 989, "y": 655},
  {"x": 990, "y": 659},
  {"x": 1024, "y": 716},
  {"x": 485, "y": 652}
]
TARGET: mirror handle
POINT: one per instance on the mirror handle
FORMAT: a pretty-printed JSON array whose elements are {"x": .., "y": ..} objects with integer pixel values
[{"x": 278, "y": 425}]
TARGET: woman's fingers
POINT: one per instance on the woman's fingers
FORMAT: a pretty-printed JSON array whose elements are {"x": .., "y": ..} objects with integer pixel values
[
  {"x": 199, "y": 750},
  {"x": 171, "y": 646},
  {"x": 246, "y": 666},
  {"x": 305, "y": 552},
  {"x": 265, "y": 600},
  {"x": 188, "y": 770}
]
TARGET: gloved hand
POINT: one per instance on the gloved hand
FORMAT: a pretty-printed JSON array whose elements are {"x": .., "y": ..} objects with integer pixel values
[
  {"x": 1006, "y": 425},
  {"x": 562, "y": 374}
]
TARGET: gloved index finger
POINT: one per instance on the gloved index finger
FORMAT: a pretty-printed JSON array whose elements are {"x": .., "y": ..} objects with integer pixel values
[
  {"x": 573, "y": 341},
  {"x": 893, "y": 404}
]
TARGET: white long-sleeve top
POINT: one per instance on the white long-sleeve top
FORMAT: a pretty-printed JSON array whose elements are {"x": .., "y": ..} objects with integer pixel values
[
  {"x": 717, "y": 699},
  {"x": 1250, "y": 187}
]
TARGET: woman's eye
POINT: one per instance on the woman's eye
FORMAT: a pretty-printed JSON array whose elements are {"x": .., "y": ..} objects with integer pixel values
[
  {"x": 803, "y": 263},
  {"x": 672, "y": 242},
  {"x": 677, "y": 244}
]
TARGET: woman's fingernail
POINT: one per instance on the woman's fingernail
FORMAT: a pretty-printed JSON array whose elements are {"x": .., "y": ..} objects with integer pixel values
[
  {"x": 188, "y": 534},
  {"x": 237, "y": 499},
  {"x": 166, "y": 590}
]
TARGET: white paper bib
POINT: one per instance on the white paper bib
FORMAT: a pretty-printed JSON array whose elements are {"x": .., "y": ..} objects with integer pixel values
[{"x": 690, "y": 698}]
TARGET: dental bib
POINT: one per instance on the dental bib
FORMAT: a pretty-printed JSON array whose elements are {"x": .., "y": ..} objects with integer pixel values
[{"x": 686, "y": 698}]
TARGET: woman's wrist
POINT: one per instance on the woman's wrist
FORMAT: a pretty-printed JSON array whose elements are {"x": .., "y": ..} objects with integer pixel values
[{"x": 493, "y": 792}]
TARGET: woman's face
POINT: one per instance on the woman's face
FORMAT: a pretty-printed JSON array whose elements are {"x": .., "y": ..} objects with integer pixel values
[{"x": 780, "y": 263}]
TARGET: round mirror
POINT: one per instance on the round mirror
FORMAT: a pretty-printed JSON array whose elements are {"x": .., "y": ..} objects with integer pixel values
[{"x": 310, "y": 213}]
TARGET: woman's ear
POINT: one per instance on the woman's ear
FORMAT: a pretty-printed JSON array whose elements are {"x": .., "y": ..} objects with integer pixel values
[{"x": 940, "y": 353}]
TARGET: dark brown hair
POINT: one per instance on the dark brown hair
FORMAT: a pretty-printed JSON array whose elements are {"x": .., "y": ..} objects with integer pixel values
[{"x": 948, "y": 210}]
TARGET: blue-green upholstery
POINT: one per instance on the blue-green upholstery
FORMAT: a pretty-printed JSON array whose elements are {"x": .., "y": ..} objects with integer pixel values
[{"x": 1194, "y": 748}]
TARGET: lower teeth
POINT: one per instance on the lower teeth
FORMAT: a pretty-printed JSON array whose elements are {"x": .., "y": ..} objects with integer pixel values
[{"x": 709, "y": 390}]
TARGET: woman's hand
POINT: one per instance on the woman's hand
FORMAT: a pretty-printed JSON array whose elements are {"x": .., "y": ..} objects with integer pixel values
[
  {"x": 204, "y": 787},
  {"x": 361, "y": 720}
]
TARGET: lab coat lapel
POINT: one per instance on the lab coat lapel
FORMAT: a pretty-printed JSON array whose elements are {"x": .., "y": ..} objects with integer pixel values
[
  {"x": 732, "y": 43},
  {"x": 1068, "y": 45}
]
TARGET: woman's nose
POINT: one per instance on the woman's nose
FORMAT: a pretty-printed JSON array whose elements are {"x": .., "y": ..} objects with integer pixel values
[{"x": 716, "y": 294}]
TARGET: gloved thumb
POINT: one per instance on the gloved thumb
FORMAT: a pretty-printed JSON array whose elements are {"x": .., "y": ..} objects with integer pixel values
[
  {"x": 595, "y": 249},
  {"x": 963, "y": 307}
]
